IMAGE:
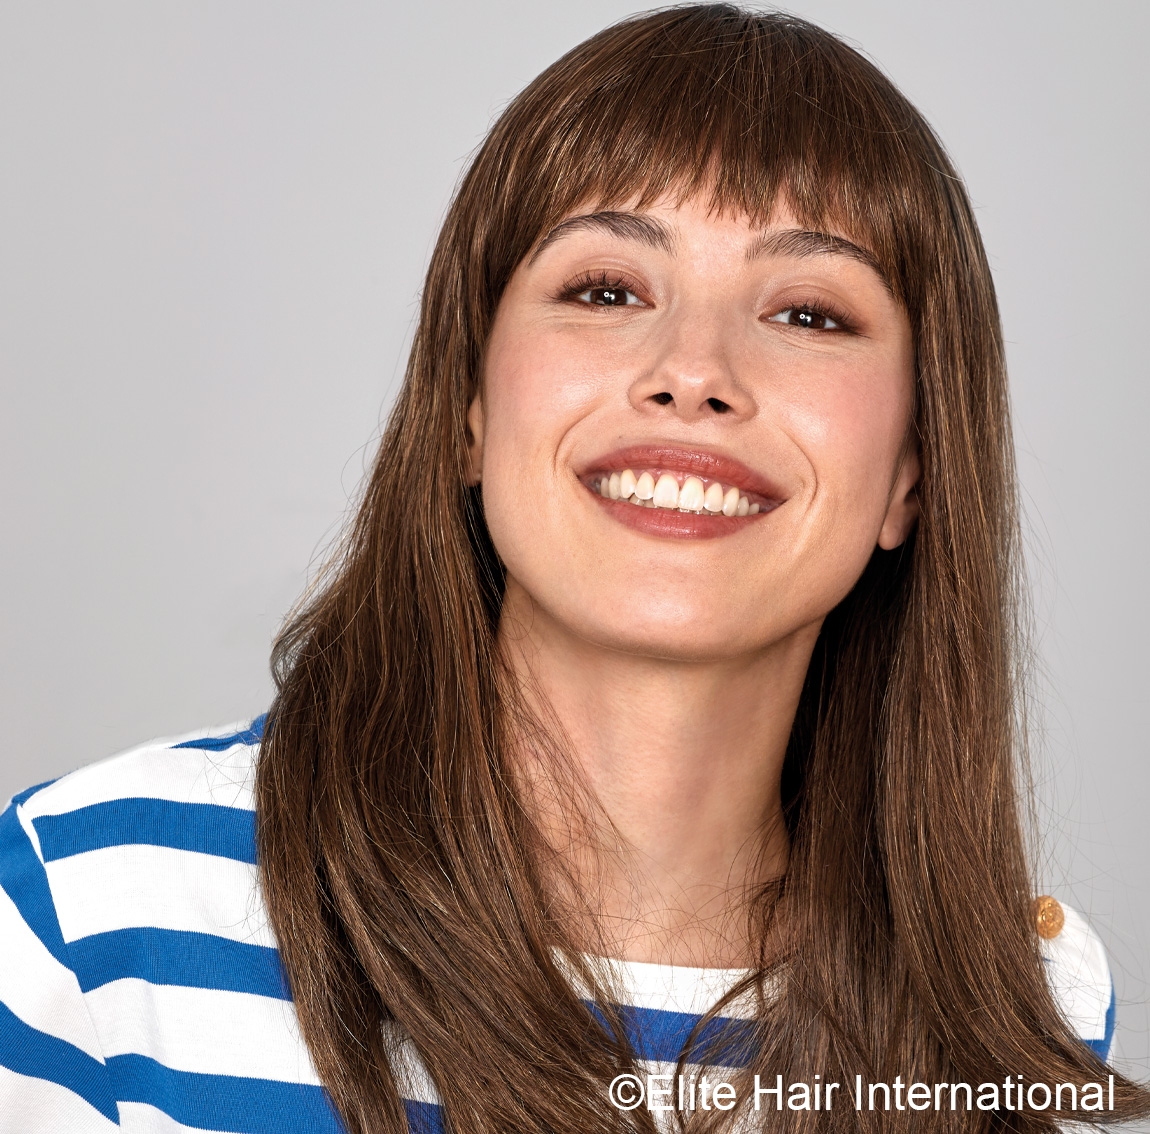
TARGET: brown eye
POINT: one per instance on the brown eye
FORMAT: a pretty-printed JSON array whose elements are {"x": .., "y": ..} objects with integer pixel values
[
  {"x": 806, "y": 317},
  {"x": 608, "y": 296}
]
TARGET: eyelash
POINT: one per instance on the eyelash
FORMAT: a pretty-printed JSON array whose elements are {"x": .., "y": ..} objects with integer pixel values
[
  {"x": 593, "y": 281},
  {"x": 820, "y": 307}
]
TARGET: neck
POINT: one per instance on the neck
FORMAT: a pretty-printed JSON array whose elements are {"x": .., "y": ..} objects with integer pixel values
[{"x": 679, "y": 762}]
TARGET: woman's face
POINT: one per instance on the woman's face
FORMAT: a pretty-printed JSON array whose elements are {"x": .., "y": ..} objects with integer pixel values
[{"x": 692, "y": 432}]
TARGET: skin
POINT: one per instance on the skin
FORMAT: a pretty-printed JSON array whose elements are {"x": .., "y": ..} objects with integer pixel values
[{"x": 672, "y": 666}]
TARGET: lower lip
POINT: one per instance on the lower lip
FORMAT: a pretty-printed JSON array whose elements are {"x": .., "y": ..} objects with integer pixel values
[{"x": 672, "y": 523}]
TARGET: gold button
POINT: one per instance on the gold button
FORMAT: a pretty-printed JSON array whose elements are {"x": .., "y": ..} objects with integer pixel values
[{"x": 1048, "y": 916}]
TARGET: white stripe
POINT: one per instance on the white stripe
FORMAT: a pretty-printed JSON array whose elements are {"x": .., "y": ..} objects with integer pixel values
[
  {"x": 154, "y": 771},
  {"x": 713, "y": 1071},
  {"x": 29, "y": 831},
  {"x": 680, "y": 988},
  {"x": 202, "y": 1030},
  {"x": 665, "y": 988},
  {"x": 412, "y": 1079},
  {"x": 34, "y": 1106},
  {"x": 118, "y": 887},
  {"x": 1079, "y": 976},
  {"x": 40, "y": 990}
]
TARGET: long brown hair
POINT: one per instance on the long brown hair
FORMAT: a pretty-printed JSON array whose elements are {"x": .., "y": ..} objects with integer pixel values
[{"x": 395, "y": 851}]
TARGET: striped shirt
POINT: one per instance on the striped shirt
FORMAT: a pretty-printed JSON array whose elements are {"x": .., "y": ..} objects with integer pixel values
[{"x": 140, "y": 988}]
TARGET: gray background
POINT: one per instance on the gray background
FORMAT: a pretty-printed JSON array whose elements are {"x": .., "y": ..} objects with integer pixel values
[{"x": 214, "y": 219}]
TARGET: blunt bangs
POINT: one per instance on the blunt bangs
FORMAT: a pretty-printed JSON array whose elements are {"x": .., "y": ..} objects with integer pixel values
[{"x": 763, "y": 112}]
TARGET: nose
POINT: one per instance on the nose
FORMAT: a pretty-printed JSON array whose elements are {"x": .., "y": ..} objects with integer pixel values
[{"x": 691, "y": 375}]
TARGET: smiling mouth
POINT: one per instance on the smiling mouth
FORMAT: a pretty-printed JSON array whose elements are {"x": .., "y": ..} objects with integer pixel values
[{"x": 678, "y": 492}]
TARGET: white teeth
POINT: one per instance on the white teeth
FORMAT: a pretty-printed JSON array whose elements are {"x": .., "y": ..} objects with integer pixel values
[
  {"x": 691, "y": 495},
  {"x": 666, "y": 492},
  {"x": 713, "y": 497}
]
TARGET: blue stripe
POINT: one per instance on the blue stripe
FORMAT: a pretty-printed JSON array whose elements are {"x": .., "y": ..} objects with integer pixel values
[
  {"x": 655, "y": 1034},
  {"x": 1101, "y": 1047},
  {"x": 27, "y": 793},
  {"x": 30, "y": 1052},
  {"x": 173, "y": 956},
  {"x": 253, "y": 734},
  {"x": 224, "y": 1102},
  {"x": 423, "y": 1117},
  {"x": 24, "y": 880},
  {"x": 1111, "y": 1020},
  {"x": 229, "y": 832}
]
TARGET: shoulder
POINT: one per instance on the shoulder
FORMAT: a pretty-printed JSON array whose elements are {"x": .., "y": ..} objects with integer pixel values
[
  {"x": 1079, "y": 977},
  {"x": 212, "y": 766},
  {"x": 160, "y": 836},
  {"x": 120, "y": 842},
  {"x": 137, "y": 968}
]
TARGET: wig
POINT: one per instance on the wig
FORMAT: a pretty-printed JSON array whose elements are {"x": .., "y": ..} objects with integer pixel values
[{"x": 396, "y": 852}]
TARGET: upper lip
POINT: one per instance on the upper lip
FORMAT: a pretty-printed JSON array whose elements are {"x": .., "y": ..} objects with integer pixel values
[{"x": 697, "y": 462}]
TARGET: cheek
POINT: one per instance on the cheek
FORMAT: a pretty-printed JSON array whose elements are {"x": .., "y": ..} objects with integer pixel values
[
  {"x": 851, "y": 428},
  {"x": 534, "y": 391}
]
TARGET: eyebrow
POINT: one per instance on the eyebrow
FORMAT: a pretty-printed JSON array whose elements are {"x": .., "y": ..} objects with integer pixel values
[
  {"x": 795, "y": 242},
  {"x": 802, "y": 242},
  {"x": 628, "y": 226}
]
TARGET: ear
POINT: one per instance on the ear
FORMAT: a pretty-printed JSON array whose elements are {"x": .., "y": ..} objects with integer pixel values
[
  {"x": 902, "y": 511},
  {"x": 475, "y": 440}
]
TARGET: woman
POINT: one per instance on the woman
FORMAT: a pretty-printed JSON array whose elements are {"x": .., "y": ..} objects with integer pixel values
[{"x": 658, "y": 714}]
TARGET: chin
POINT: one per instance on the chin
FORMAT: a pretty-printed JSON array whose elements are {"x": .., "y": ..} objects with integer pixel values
[{"x": 703, "y": 637}]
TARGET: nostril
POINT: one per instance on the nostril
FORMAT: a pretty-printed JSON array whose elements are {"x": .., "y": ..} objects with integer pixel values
[
  {"x": 663, "y": 399},
  {"x": 718, "y": 405}
]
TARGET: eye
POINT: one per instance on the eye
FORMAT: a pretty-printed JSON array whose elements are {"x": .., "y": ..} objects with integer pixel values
[
  {"x": 604, "y": 296},
  {"x": 808, "y": 317}
]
